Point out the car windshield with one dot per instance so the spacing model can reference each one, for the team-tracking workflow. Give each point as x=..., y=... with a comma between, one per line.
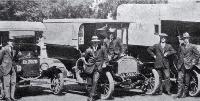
x=26, y=45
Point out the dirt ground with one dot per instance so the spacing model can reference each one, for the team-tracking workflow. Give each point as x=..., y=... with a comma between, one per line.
x=74, y=92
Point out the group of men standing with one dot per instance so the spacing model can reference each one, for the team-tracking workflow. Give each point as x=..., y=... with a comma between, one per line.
x=7, y=71
x=188, y=56
x=110, y=48
x=105, y=47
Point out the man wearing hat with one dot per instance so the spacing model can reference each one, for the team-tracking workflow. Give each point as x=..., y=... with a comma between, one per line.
x=115, y=47
x=160, y=52
x=188, y=57
x=95, y=59
x=9, y=74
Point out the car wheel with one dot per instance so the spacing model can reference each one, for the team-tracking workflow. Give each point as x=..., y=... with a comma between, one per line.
x=57, y=83
x=2, y=95
x=194, y=84
x=152, y=83
x=106, y=86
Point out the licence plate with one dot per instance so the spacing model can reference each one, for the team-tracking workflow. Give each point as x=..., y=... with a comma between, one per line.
x=28, y=62
x=128, y=74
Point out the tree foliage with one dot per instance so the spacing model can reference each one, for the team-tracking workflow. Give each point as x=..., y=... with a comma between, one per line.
x=37, y=10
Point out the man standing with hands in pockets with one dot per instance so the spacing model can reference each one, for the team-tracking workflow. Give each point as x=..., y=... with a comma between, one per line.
x=160, y=52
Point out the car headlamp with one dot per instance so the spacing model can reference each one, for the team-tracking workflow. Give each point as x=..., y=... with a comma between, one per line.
x=44, y=66
x=19, y=68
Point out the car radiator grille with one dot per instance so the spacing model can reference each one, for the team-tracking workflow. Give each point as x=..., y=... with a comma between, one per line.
x=30, y=69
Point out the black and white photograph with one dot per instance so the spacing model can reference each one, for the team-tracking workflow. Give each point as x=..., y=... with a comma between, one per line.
x=99, y=50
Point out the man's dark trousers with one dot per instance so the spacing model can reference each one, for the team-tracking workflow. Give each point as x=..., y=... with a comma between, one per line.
x=164, y=78
x=184, y=76
x=95, y=78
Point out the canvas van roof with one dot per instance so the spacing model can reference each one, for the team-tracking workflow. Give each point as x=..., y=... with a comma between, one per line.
x=66, y=30
x=85, y=20
x=21, y=26
x=186, y=11
x=182, y=11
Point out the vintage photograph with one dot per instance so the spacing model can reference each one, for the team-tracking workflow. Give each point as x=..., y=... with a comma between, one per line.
x=99, y=50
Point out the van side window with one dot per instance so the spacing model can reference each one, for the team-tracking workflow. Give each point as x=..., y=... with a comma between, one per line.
x=156, y=28
x=4, y=36
x=81, y=35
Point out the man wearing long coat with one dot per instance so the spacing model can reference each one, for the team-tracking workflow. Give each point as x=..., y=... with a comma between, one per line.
x=160, y=52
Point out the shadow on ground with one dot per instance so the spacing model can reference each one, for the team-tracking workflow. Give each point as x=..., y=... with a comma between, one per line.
x=32, y=91
x=81, y=90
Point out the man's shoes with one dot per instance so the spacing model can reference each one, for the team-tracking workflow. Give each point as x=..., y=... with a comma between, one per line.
x=13, y=99
x=90, y=99
x=183, y=95
x=168, y=93
x=2, y=98
x=180, y=96
x=158, y=93
x=8, y=99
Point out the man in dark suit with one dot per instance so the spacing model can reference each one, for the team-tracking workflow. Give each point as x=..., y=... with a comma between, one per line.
x=96, y=57
x=161, y=52
x=188, y=57
x=9, y=74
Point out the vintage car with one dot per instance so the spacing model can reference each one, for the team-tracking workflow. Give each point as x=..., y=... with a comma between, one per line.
x=31, y=59
x=162, y=18
x=131, y=72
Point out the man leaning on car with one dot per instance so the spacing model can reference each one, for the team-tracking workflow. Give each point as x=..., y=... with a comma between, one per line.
x=160, y=52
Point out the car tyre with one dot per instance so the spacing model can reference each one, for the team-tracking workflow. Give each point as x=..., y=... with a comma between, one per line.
x=57, y=83
x=152, y=83
x=107, y=87
x=194, y=88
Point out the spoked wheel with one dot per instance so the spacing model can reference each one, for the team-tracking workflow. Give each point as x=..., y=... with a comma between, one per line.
x=194, y=84
x=106, y=87
x=57, y=83
x=152, y=83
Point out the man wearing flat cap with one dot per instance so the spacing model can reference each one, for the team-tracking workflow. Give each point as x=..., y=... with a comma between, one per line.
x=188, y=57
x=160, y=52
